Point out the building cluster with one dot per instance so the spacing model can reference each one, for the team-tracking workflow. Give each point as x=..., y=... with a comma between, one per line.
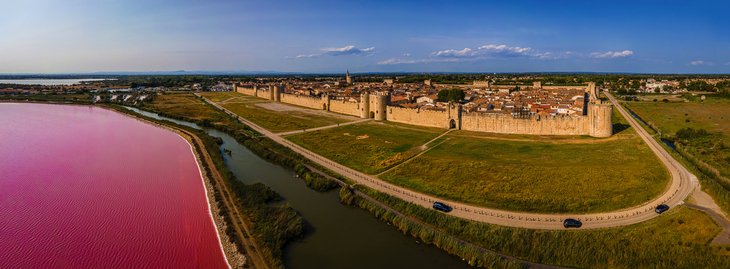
x=480, y=97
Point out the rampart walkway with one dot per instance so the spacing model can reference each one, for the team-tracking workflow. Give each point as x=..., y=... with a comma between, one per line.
x=682, y=185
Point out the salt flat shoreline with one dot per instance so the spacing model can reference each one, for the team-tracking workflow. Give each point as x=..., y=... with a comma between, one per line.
x=234, y=258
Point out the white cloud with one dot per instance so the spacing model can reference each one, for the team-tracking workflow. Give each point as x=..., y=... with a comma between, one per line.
x=466, y=52
x=348, y=50
x=445, y=60
x=701, y=63
x=504, y=51
x=728, y=63
x=406, y=54
x=611, y=54
x=396, y=61
x=489, y=51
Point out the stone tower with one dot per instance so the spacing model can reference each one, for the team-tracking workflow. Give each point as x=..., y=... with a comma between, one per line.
x=379, y=104
x=601, y=119
x=348, y=78
x=593, y=91
x=364, y=105
x=275, y=93
x=454, y=117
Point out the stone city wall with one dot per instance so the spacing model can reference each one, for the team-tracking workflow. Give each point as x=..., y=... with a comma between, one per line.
x=420, y=117
x=344, y=107
x=305, y=101
x=535, y=125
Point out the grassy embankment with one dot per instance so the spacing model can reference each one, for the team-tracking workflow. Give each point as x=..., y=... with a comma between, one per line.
x=273, y=226
x=370, y=147
x=538, y=174
x=677, y=239
x=73, y=97
x=702, y=135
x=282, y=121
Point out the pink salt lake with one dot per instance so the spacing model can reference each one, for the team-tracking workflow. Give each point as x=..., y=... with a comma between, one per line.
x=84, y=187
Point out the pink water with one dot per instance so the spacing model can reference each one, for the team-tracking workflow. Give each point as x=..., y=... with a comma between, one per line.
x=83, y=187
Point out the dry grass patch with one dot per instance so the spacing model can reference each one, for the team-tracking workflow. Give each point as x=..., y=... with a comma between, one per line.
x=281, y=121
x=371, y=147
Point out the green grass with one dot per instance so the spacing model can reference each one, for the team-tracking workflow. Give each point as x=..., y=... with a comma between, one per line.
x=537, y=176
x=677, y=239
x=176, y=98
x=713, y=115
x=370, y=147
x=222, y=96
x=48, y=97
x=282, y=121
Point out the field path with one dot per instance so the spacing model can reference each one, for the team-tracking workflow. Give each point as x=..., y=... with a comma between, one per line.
x=323, y=127
x=681, y=186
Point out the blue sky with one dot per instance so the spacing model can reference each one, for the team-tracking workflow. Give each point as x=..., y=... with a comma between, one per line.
x=374, y=36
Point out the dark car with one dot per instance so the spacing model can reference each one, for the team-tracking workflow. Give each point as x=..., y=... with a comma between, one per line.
x=661, y=208
x=442, y=207
x=572, y=223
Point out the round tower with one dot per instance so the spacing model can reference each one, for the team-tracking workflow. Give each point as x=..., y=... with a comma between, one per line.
x=601, y=116
x=364, y=105
x=277, y=93
x=379, y=104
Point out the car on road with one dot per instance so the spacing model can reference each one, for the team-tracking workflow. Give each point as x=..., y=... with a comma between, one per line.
x=661, y=208
x=442, y=207
x=572, y=223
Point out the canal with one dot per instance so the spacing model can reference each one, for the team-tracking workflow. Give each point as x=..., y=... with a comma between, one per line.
x=337, y=235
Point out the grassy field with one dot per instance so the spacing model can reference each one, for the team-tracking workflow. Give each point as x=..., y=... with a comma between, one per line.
x=282, y=121
x=186, y=105
x=537, y=176
x=677, y=239
x=370, y=147
x=568, y=174
x=176, y=98
x=222, y=96
x=712, y=115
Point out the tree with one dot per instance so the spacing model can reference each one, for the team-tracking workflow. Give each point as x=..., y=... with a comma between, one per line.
x=632, y=92
x=454, y=95
x=657, y=90
x=622, y=91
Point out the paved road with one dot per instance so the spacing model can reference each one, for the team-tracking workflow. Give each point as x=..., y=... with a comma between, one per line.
x=682, y=185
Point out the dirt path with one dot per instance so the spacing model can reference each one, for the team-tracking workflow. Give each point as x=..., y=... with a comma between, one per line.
x=323, y=127
x=424, y=148
x=239, y=221
x=702, y=201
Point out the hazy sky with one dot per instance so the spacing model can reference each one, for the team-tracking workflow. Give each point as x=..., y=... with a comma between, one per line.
x=39, y=36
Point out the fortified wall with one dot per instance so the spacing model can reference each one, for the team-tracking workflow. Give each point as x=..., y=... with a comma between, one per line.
x=597, y=123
